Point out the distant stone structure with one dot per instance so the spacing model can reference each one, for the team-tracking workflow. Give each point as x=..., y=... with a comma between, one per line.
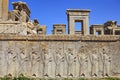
x=26, y=49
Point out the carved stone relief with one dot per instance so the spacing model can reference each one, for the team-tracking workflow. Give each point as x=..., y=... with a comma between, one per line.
x=57, y=59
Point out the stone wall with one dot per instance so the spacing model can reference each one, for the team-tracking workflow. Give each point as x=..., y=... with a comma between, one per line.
x=57, y=56
x=12, y=27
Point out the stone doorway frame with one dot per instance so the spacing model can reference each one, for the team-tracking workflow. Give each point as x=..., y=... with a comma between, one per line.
x=78, y=15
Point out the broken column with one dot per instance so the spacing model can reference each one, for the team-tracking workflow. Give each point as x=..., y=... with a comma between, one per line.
x=4, y=10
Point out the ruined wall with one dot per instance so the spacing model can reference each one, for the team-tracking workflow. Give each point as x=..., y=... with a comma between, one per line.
x=47, y=56
x=13, y=27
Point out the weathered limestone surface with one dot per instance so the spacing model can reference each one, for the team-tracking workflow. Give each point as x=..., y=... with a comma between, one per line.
x=25, y=49
x=0, y=9
x=59, y=29
x=78, y=16
x=53, y=58
x=4, y=10
x=10, y=27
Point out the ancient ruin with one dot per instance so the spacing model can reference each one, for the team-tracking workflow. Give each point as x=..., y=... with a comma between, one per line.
x=26, y=49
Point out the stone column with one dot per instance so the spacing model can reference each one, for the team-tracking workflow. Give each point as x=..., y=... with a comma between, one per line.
x=94, y=31
x=71, y=26
x=0, y=9
x=102, y=32
x=4, y=9
x=113, y=32
x=85, y=26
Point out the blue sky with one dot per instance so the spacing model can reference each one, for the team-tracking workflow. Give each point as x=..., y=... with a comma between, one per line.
x=50, y=12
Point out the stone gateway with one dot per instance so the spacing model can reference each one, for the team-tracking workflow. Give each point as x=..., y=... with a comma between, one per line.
x=26, y=49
